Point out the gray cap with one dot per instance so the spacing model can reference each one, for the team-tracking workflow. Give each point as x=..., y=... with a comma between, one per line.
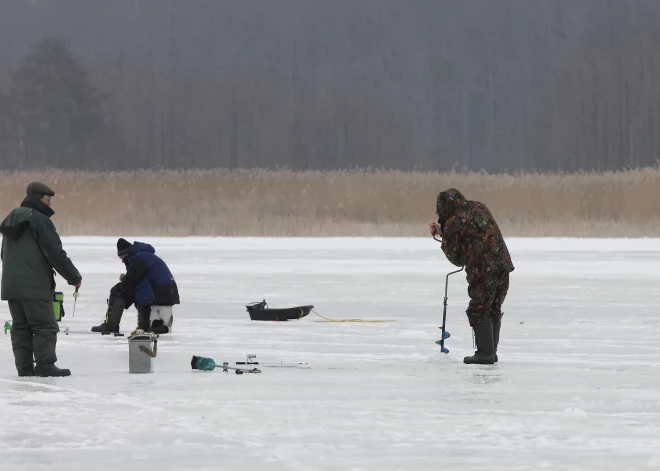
x=38, y=188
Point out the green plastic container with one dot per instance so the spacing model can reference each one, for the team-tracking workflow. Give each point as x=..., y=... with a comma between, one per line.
x=58, y=305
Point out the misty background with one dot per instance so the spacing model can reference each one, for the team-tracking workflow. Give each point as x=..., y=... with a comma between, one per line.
x=498, y=85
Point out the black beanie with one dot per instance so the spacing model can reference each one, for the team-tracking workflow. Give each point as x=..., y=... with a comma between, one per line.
x=122, y=246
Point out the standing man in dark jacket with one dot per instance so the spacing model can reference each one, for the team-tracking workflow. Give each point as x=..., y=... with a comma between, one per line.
x=147, y=283
x=471, y=238
x=31, y=253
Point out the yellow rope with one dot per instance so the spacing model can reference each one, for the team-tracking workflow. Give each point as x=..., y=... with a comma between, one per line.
x=347, y=320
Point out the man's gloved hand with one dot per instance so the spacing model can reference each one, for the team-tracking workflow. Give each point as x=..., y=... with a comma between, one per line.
x=122, y=276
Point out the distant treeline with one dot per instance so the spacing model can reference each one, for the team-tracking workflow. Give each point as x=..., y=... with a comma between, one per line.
x=498, y=85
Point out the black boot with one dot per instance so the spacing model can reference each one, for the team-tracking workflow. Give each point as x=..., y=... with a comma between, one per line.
x=144, y=318
x=50, y=370
x=21, y=340
x=496, y=336
x=25, y=371
x=112, y=316
x=158, y=327
x=483, y=335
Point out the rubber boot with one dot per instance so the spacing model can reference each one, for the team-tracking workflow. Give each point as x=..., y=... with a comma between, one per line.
x=158, y=327
x=25, y=371
x=496, y=337
x=112, y=316
x=144, y=318
x=21, y=340
x=483, y=335
x=50, y=370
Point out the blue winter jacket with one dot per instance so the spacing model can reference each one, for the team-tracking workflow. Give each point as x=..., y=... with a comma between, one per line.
x=149, y=275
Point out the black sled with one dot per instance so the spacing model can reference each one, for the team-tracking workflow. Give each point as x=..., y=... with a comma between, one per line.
x=261, y=312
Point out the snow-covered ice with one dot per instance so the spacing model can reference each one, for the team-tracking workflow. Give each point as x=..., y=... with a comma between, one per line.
x=577, y=386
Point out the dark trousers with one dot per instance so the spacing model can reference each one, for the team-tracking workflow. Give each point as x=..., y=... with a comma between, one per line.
x=486, y=297
x=33, y=333
x=125, y=294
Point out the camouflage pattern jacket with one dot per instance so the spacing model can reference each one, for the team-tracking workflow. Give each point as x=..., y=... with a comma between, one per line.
x=470, y=236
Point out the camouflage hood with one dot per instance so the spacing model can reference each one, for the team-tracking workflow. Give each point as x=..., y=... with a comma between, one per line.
x=447, y=203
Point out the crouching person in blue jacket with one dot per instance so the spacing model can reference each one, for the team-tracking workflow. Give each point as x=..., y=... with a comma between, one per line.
x=147, y=283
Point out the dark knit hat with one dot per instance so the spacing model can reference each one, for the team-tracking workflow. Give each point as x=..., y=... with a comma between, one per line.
x=38, y=189
x=123, y=246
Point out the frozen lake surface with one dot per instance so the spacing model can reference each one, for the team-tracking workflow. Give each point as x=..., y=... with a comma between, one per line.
x=577, y=386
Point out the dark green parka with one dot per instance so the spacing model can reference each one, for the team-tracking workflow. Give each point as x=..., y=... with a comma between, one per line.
x=31, y=251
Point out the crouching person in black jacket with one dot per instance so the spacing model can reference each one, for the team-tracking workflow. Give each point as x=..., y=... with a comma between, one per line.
x=147, y=283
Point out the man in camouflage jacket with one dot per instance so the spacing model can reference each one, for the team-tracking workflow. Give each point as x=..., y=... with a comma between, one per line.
x=471, y=238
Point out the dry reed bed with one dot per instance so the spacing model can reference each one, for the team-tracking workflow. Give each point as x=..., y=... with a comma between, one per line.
x=386, y=203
